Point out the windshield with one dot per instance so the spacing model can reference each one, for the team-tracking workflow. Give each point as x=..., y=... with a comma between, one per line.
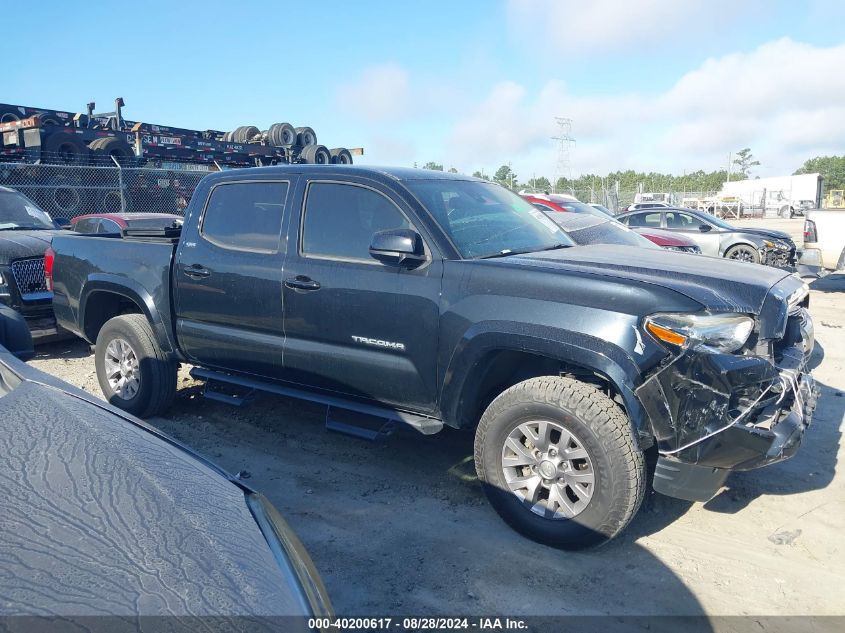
x=610, y=232
x=580, y=207
x=603, y=209
x=484, y=219
x=19, y=212
x=714, y=220
x=584, y=229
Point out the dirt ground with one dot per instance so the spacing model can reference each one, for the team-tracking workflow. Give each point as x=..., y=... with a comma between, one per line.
x=401, y=527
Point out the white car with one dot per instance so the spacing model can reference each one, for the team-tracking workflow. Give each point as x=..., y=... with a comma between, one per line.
x=647, y=204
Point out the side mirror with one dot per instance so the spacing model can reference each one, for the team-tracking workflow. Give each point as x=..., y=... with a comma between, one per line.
x=398, y=247
x=61, y=223
x=704, y=228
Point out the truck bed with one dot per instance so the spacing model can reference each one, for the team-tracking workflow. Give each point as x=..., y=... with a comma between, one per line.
x=135, y=264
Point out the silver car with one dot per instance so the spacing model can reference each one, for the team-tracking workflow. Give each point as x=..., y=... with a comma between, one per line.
x=717, y=237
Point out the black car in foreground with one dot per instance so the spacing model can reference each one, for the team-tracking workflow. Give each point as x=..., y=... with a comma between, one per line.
x=102, y=515
x=717, y=237
x=434, y=299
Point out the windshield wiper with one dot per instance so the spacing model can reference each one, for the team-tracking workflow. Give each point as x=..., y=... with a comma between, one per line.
x=25, y=228
x=507, y=252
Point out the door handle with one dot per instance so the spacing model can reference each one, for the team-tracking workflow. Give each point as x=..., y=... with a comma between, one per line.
x=301, y=282
x=196, y=271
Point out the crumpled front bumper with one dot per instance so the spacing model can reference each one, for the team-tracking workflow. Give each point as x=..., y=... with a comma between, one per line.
x=713, y=413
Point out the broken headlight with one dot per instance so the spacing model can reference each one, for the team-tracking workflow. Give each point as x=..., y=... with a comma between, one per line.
x=722, y=332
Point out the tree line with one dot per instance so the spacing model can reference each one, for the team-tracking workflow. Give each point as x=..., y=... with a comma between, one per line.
x=832, y=168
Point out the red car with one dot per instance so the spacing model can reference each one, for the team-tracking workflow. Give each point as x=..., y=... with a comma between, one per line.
x=668, y=240
x=566, y=204
x=116, y=222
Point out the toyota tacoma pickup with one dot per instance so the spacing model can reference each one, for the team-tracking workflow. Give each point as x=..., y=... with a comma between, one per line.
x=434, y=299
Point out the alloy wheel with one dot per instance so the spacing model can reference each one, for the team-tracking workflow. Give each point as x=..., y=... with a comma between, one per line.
x=547, y=467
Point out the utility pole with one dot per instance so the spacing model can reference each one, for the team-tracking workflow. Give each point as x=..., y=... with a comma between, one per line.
x=729, y=166
x=565, y=142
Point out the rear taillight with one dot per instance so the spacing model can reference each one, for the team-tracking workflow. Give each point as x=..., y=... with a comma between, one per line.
x=810, y=231
x=49, y=258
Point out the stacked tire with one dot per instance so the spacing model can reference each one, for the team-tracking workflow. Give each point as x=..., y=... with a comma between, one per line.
x=110, y=147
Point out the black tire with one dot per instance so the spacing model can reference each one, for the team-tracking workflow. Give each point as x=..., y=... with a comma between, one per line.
x=305, y=136
x=282, y=135
x=65, y=197
x=50, y=119
x=743, y=253
x=341, y=156
x=316, y=155
x=244, y=133
x=65, y=149
x=10, y=114
x=599, y=427
x=110, y=146
x=157, y=374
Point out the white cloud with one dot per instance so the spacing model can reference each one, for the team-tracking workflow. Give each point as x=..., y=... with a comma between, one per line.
x=379, y=93
x=781, y=99
x=575, y=26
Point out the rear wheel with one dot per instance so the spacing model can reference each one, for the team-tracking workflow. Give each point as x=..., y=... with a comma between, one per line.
x=132, y=370
x=305, y=136
x=316, y=155
x=245, y=133
x=341, y=156
x=558, y=461
x=65, y=149
x=111, y=147
x=281, y=134
x=743, y=253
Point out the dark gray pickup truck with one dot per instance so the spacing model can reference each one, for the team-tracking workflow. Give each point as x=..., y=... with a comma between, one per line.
x=434, y=299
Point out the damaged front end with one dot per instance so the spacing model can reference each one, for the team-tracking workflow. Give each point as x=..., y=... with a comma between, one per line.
x=714, y=410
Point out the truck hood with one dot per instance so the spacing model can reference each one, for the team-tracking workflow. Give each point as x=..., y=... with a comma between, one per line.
x=718, y=284
x=18, y=244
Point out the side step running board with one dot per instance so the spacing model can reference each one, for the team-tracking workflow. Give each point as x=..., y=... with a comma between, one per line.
x=425, y=425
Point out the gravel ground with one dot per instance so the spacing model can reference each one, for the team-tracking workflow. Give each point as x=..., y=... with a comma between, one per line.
x=402, y=527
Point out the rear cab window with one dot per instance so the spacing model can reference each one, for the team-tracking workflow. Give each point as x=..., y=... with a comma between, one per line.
x=245, y=215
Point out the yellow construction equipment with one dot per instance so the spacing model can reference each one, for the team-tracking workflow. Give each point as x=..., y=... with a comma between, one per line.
x=835, y=199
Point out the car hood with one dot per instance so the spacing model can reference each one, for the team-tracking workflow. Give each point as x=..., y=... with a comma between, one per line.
x=103, y=516
x=18, y=244
x=718, y=284
x=664, y=238
x=767, y=233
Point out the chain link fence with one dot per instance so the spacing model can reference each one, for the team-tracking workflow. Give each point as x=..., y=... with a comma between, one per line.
x=67, y=191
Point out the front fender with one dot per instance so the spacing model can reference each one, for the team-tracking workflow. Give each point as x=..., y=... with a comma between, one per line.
x=134, y=292
x=583, y=351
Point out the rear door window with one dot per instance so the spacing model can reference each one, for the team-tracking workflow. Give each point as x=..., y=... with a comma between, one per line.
x=651, y=219
x=245, y=216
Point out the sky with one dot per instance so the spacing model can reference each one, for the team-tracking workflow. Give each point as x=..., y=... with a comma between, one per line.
x=652, y=85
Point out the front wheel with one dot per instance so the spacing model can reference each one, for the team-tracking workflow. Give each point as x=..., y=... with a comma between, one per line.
x=558, y=462
x=132, y=370
x=743, y=253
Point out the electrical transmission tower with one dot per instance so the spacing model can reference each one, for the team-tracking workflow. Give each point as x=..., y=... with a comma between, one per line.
x=565, y=142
